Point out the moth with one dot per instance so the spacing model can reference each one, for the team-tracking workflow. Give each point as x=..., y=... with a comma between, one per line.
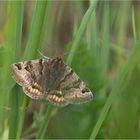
x=52, y=80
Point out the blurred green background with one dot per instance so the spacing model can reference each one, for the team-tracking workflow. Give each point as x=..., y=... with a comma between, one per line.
x=100, y=41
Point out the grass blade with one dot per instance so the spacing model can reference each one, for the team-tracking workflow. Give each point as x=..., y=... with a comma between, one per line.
x=35, y=30
x=21, y=117
x=12, y=44
x=120, y=79
x=19, y=7
x=80, y=31
x=45, y=25
x=134, y=24
x=44, y=123
x=121, y=24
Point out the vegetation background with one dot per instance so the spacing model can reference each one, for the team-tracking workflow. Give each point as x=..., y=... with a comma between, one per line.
x=99, y=40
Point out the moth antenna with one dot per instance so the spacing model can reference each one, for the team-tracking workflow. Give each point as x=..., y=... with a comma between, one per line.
x=42, y=54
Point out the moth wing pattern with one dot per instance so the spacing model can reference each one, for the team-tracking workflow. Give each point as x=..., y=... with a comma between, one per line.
x=67, y=88
x=28, y=74
x=74, y=88
x=51, y=79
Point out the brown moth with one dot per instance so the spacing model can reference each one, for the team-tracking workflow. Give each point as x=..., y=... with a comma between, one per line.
x=51, y=79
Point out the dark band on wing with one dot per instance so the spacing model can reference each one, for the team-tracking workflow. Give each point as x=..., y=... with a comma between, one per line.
x=85, y=90
x=75, y=84
x=29, y=68
x=41, y=66
x=67, y=75
x=18, y=65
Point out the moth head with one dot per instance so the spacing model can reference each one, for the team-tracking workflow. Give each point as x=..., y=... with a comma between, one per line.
x=20, y=74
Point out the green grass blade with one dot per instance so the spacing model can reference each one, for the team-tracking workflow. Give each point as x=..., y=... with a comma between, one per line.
x=92, y=35
x=12, y=42
x=45, y=27
x=19, y=8
x=15, y=109
x=134, y=24
x=20, y=12
x=44, y=124
x=80, y=31
x=21, y=117
x=104, y=56
x=105, y=37
x=121, y=24
x=120, y=79
x=35, y=30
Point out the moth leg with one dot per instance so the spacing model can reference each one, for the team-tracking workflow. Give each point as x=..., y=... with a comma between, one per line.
x=56, y=98
x=34, y=91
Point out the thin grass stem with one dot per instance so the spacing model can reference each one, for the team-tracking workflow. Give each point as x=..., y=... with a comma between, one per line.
x=134, y=24
x=81, y=30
